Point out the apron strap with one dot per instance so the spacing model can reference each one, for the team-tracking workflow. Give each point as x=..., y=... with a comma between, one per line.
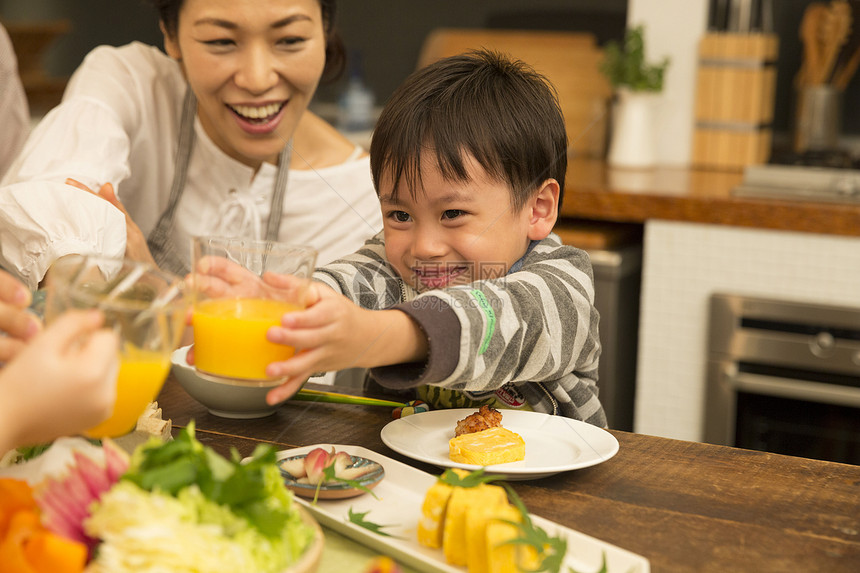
x=159, y=241
x=277, y=209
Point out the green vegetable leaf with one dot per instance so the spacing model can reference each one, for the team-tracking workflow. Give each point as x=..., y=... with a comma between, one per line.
x=358, y=519
x=253, y=490
x=26, y=453
x=550, y=550
x=473, y=479
x=603, y=568
x=30, y=452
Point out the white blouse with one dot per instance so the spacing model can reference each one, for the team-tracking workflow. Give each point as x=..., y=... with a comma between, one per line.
x=119, y=123
x=14, y=113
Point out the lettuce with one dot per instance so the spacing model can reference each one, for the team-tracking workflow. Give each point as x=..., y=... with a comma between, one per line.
x=182, y=507
x=155, y=532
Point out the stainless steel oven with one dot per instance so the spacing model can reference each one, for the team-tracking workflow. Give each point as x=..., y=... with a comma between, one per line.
x=784, y=377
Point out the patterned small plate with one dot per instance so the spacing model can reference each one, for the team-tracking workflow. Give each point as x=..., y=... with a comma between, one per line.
x=334, y=489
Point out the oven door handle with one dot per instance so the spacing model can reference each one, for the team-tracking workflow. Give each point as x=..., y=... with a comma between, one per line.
x=796, y=389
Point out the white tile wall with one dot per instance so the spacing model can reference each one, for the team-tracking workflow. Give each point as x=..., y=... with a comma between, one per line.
x=684, y=263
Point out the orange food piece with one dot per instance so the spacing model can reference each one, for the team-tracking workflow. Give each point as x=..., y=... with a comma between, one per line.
x=26, y=546
x=15, y=495
x=47, y=551
x=12, y=555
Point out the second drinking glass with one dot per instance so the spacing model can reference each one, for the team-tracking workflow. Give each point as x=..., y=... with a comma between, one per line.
x=234, y=305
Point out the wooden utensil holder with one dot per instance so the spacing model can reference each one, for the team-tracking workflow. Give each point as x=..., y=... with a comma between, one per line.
x=735, y=90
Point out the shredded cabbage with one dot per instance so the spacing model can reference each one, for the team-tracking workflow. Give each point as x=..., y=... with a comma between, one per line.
x=153, y=532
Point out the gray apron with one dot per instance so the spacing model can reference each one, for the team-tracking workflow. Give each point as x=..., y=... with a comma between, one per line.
x=160, y=243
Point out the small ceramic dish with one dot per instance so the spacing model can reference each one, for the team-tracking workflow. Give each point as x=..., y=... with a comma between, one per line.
x=333, y=489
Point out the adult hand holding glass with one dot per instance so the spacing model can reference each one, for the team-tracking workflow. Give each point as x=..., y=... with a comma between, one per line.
x=62, y=382
x=144, y=306
x=17, y=325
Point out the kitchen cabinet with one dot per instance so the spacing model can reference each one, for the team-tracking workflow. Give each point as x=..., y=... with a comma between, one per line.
x=595, y=192
x=699, y=239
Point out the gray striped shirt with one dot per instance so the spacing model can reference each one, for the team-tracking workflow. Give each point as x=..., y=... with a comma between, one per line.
x=532, y=331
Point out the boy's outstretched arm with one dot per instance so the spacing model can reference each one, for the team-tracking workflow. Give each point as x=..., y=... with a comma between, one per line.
x=334, y=333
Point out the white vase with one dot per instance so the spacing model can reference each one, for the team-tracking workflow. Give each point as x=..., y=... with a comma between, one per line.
x=633, y=131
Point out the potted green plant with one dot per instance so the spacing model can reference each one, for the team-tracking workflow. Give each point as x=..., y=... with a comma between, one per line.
x=636, y=83
x=626, y=68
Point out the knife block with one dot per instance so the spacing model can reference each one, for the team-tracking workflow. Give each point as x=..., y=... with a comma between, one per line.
x=735, y=89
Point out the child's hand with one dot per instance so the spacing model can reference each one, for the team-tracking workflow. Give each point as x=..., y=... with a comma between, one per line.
x=62, y=383
x=333, y=333
x=17, y=325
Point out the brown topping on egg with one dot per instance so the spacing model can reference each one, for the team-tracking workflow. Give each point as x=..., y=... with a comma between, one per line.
x=486, y=417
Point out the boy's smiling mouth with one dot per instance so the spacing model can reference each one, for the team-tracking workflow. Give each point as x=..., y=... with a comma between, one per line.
x=438, y=276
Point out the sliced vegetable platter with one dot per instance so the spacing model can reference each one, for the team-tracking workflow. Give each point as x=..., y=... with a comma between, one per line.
x=387, y=519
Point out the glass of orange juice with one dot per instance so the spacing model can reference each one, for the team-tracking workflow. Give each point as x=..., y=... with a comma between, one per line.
x=234, y=304
x=144, y=305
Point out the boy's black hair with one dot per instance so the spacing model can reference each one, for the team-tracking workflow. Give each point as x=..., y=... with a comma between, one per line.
x=482, y=103
x=335, y=51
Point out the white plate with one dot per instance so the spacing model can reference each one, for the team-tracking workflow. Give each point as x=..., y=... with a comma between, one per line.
x=398, y=506
x=553, y=443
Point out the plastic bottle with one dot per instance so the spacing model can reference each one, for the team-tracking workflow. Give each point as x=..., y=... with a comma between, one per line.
x=356, y=104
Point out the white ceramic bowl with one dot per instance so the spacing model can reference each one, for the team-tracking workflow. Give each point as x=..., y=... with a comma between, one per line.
x=226, y=399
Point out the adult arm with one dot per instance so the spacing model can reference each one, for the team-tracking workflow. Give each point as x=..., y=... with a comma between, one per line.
x=86, y=138
x=14, y=113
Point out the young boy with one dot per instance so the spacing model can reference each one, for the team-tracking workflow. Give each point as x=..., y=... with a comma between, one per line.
x=465, y=290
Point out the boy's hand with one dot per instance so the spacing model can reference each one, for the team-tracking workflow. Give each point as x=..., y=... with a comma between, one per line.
x=333, y=333
x=17, y=325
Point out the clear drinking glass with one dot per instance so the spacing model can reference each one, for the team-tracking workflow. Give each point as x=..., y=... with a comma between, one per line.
x=146, y=306
x=234, y=306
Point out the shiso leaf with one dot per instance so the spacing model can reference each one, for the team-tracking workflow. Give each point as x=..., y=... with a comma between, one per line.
x=358, y=519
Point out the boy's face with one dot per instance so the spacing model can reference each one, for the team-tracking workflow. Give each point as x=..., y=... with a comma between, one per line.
x=455, y=232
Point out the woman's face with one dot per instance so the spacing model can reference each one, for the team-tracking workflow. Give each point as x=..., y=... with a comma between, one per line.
x=254, y=66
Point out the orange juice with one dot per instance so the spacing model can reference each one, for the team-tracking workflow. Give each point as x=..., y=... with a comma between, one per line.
x=141, y=375
x=230, y=336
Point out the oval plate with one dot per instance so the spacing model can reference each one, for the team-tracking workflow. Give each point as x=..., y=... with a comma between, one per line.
x=554, y=444
x=333, y=490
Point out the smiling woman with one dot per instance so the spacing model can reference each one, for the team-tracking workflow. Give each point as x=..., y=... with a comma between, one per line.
x=254, y=75
x=212, y=138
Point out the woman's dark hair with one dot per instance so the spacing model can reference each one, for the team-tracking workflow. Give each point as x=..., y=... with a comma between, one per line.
x=484, y=104
x=335, y=52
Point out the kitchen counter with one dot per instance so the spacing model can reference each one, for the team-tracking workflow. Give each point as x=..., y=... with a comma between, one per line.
x=597, y=193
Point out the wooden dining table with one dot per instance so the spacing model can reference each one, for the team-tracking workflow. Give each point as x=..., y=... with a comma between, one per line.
x=685, y=506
